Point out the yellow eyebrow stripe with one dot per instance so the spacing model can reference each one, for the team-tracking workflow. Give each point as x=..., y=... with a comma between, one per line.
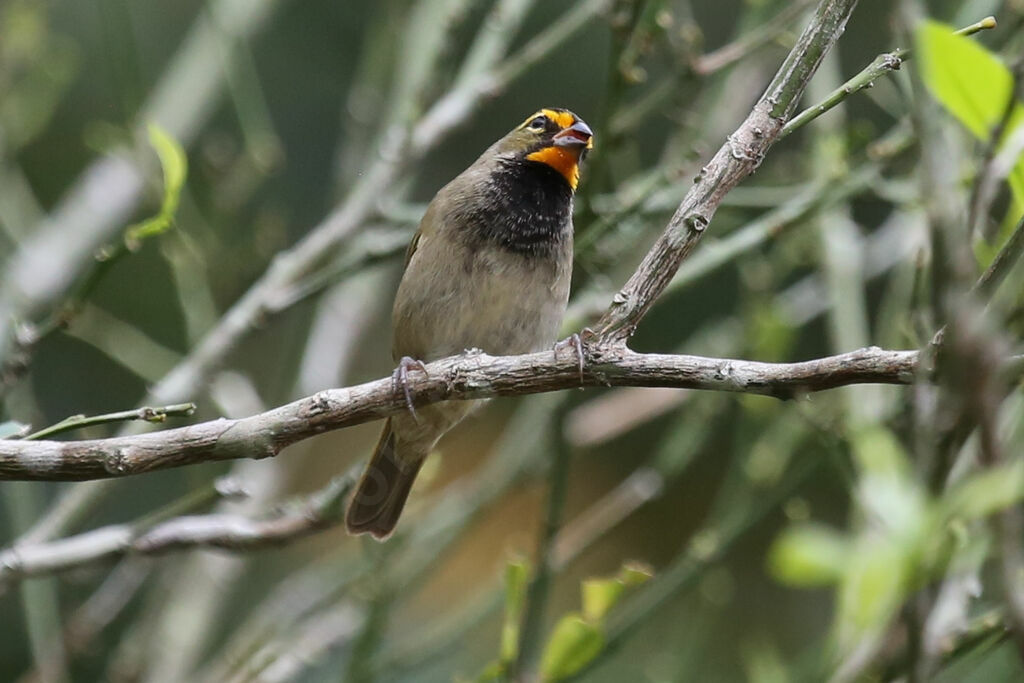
x=563, y=118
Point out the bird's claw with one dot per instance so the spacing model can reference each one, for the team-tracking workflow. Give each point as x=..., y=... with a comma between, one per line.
x=400, y=379
x=576, y=342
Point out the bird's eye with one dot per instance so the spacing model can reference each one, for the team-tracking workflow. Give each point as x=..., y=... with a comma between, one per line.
x=538, y=123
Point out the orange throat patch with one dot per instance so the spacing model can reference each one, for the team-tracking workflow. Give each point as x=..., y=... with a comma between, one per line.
x=562, y=160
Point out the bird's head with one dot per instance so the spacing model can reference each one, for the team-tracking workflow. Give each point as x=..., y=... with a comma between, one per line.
x=555, y=137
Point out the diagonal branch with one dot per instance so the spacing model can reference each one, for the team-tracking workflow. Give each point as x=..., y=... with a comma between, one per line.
x=740, y=156
x=469, y=376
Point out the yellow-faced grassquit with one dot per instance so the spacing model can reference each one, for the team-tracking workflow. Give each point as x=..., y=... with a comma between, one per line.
x=488, y=269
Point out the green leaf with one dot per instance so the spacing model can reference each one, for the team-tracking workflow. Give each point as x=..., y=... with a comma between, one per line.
x=174, y=165
x=965, y=78
x=600, y=595
x=879, y=453
x=573, y=644
x=492, y=673
x=872, y=588
x=886, y=492
x=635, y=574
x=764, y=663
x=11, y=428
x=987, y=492
x=516, y=577
x=808, y=555
x=975, y=87
x=1016, y=180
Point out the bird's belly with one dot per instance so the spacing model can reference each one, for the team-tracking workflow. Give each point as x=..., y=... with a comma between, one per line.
x=503, y=306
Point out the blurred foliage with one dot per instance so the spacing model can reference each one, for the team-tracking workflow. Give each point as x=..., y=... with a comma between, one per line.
x=856, y=534
x=577, y=637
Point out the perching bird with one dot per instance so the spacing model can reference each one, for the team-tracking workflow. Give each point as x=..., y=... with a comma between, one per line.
x=488, y=269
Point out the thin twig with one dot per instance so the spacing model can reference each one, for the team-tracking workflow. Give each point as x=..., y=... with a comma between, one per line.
x=145, y=413
x=750, y=41
x=1002, y=264
x=883, y=64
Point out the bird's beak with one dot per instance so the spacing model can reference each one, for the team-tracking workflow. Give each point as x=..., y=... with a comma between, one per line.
x=578, y=136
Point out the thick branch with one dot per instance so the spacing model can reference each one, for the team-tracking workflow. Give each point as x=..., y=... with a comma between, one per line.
x=474, y=375
x=738, y=158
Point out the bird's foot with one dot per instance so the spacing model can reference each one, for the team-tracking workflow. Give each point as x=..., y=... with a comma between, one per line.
x=400, y=379
x=575, y=341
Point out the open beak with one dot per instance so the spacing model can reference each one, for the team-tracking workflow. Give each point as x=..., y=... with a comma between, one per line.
x=577, y=136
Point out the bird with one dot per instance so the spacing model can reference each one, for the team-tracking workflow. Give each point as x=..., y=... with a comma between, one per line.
x=488, y=269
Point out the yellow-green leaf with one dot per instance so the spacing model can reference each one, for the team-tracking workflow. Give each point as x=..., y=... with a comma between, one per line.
x=635, y=574
x=808, y=555
x=599, y=596
x=174, y=165
x=872, y=588
x=516, y=576
x=975, y=87
x=573, y=644
x=879, y=453
x=988, y=492
x=964, y=77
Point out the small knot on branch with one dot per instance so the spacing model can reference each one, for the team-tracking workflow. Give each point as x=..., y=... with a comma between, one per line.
x=739, y=151
x=892, y=61
x=116, y=461
x=696, y=222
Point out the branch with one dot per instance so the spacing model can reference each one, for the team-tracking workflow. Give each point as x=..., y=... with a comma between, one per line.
x=883, y=64
x=750, y=41
x=320, y=510
x=469, y=376
x=738, y=157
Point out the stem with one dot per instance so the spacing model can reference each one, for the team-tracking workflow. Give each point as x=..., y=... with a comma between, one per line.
x=883, y=65
x=1002, y=264
x=540, y=586
x=144, y=413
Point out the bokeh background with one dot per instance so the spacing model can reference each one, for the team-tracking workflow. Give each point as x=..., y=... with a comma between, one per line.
x=283, y=108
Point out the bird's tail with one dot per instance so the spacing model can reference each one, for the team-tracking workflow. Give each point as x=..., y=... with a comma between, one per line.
x=383, y=489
